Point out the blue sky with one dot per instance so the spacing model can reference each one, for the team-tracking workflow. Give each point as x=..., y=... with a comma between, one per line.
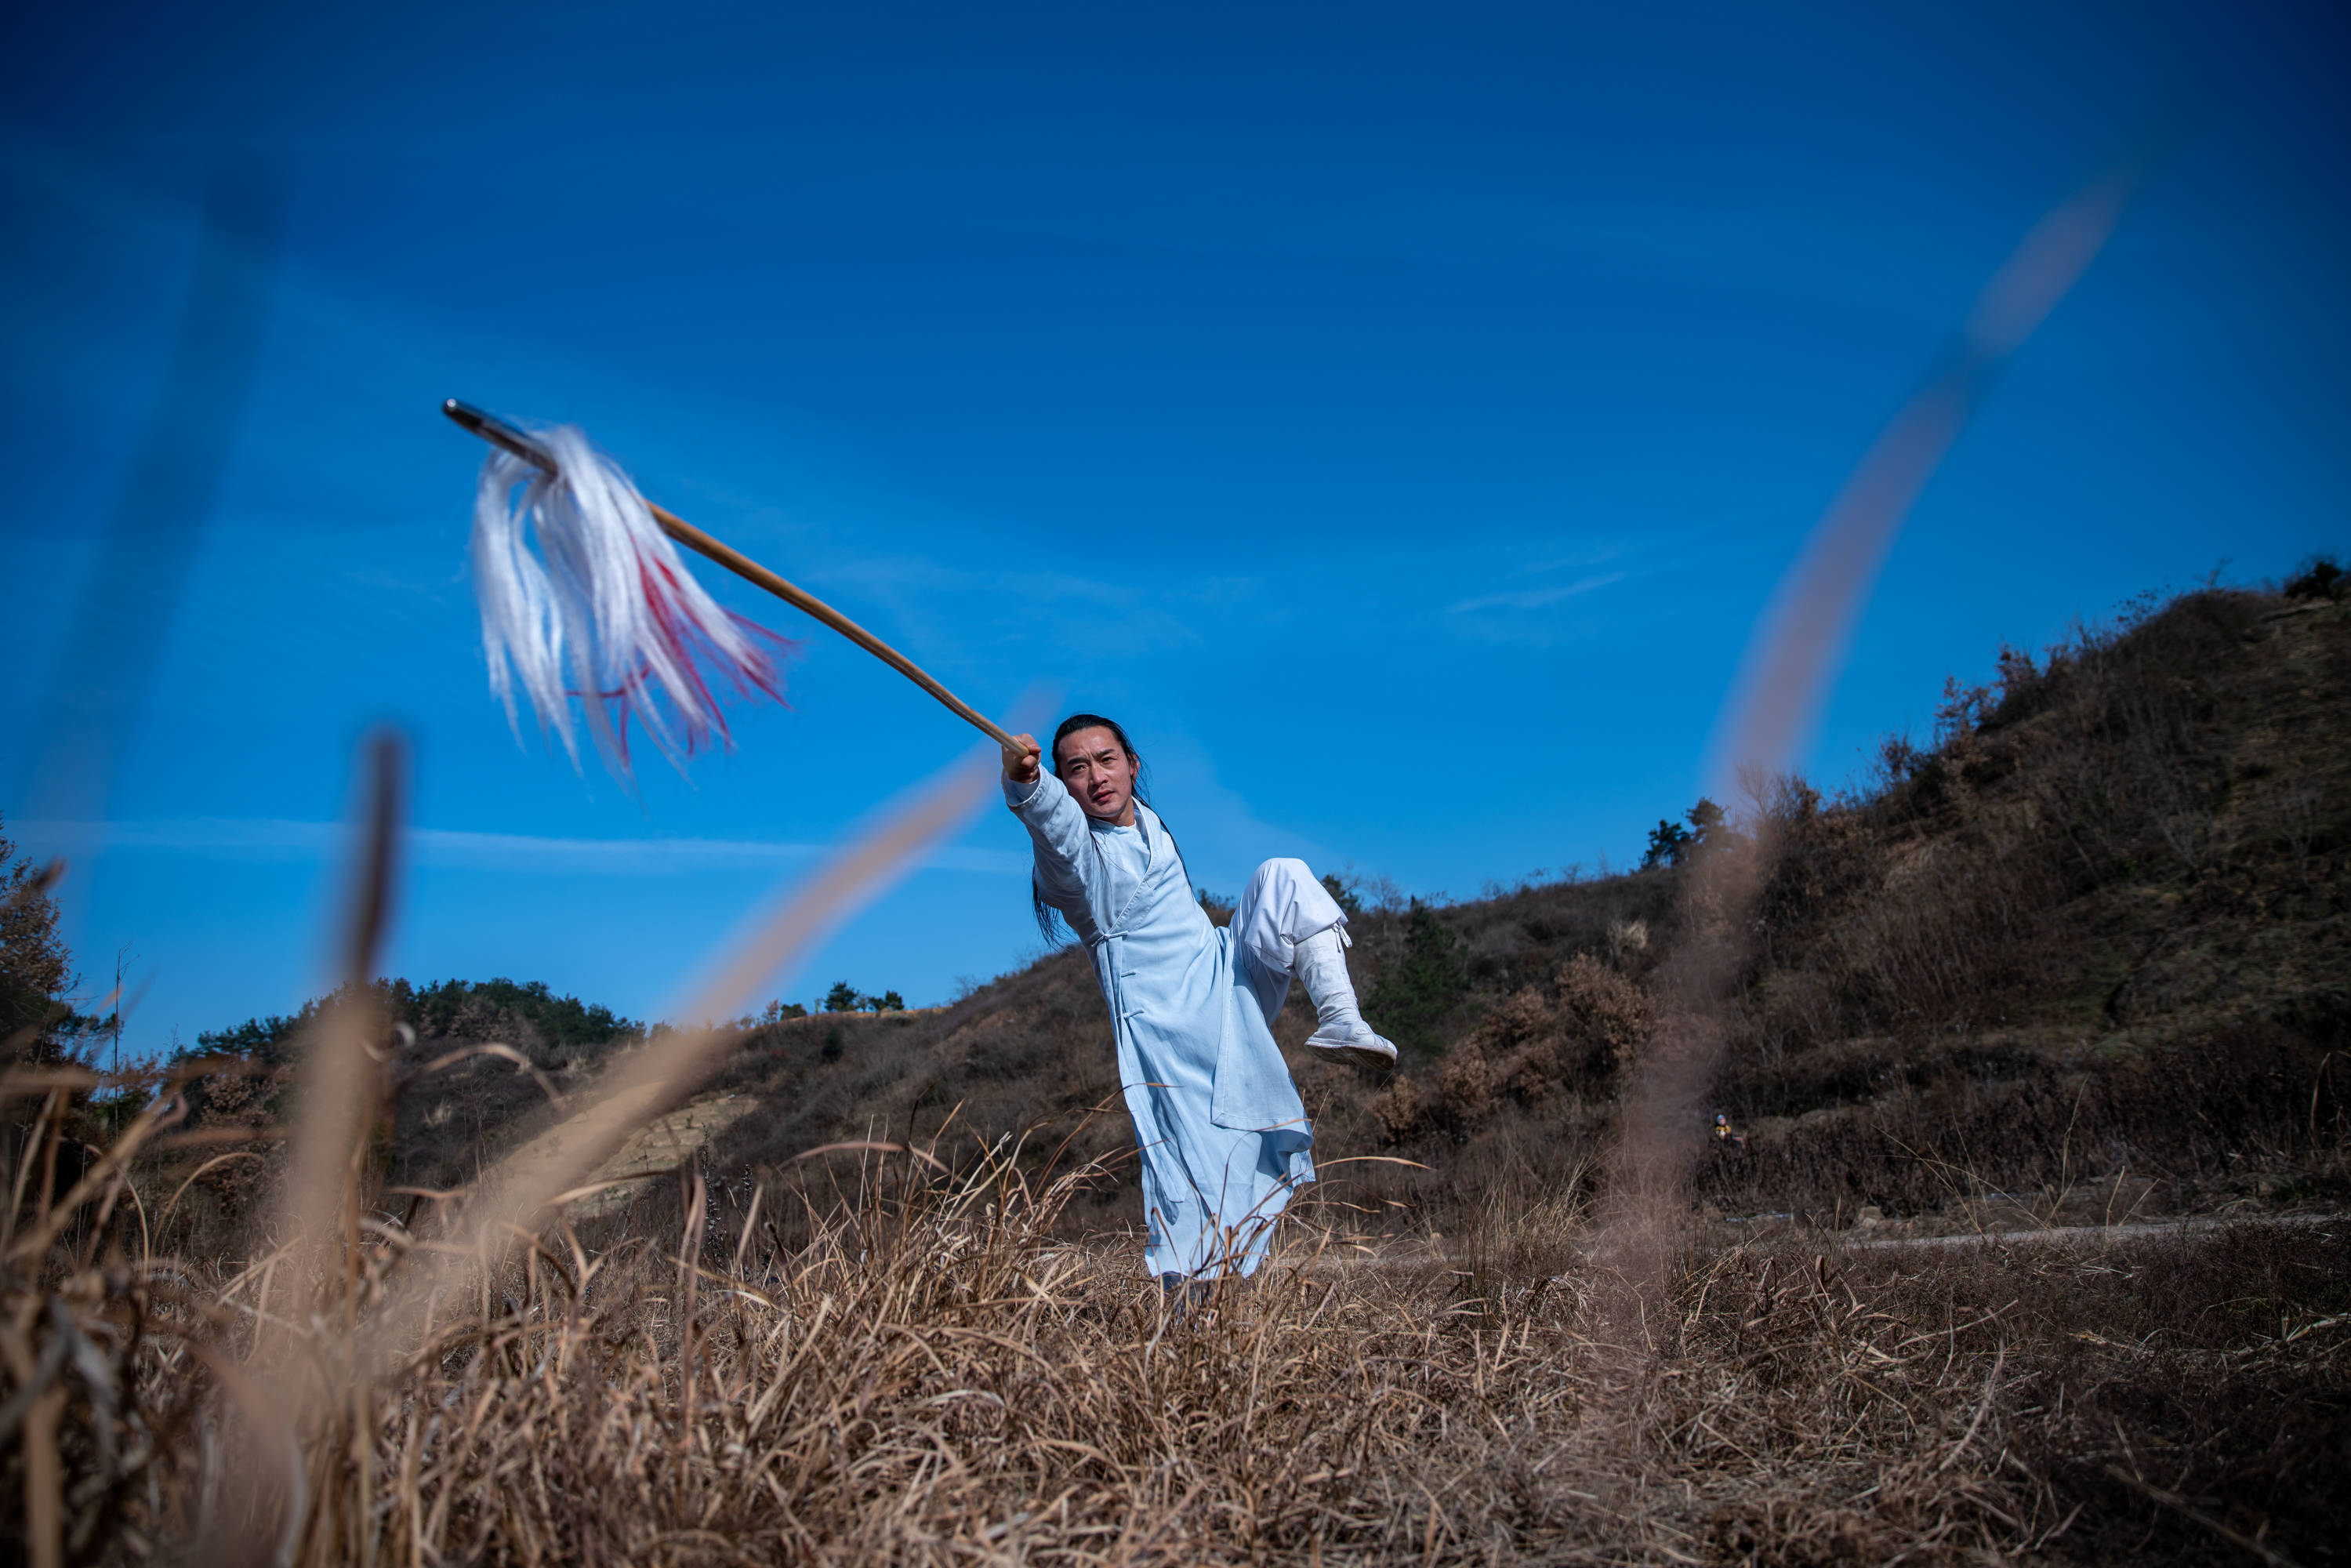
x=1399, y=418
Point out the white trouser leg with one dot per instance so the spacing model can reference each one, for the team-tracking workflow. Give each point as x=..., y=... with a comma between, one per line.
x=1282, y=903
x=1287, y=924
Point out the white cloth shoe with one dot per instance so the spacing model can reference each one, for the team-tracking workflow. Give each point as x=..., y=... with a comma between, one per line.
x=1321, y=966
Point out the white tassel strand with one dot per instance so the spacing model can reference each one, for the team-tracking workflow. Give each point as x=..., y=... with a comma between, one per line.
x=603, y=609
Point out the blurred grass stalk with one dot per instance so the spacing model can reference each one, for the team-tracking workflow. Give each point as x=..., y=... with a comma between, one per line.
x=1785, y=678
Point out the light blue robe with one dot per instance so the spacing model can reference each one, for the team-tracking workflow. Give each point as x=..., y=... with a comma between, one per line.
x=1223, y=1134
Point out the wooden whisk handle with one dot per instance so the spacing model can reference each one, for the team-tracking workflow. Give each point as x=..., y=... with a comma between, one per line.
x=750, y=571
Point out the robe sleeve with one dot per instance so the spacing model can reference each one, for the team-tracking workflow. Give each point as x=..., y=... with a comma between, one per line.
x=1065, y=849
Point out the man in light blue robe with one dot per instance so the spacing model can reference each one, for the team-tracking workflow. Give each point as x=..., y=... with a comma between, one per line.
x=1223, y=1137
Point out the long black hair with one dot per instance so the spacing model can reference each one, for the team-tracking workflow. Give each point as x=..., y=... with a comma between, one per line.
x=1049, y=919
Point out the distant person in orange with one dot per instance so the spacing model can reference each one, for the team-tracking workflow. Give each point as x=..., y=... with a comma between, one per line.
x=1223, y=1133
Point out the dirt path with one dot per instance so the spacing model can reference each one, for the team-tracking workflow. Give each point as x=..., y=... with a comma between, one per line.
x=663, y=1144
x=2031, y=1235
x=1420, y=1254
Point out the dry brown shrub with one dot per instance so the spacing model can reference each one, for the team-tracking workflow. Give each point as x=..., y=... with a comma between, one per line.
x=1402, y=1109
x=1468, y=1084
x=1601, y=1006
x=1567, y=1035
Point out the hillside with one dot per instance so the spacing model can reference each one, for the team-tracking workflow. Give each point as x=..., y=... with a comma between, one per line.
x=2093, y=938
x=2088, y=948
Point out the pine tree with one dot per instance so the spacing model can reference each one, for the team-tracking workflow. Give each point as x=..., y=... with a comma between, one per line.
x=35, y=971
x=1416, y=990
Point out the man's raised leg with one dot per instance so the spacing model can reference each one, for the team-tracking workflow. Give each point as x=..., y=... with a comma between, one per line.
x=1292, y=926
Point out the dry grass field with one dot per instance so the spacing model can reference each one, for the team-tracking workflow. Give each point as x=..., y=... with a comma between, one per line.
x=934, y=1375
x=2028, y=1251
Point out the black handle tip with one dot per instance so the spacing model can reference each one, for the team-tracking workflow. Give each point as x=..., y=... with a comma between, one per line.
x=498, y=432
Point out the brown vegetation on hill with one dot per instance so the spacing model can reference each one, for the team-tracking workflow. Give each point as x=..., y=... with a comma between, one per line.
x=2095, y=933
x=2084, y=952
x=2093, y=937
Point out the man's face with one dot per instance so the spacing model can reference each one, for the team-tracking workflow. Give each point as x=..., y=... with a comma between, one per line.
x=1098, y=773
